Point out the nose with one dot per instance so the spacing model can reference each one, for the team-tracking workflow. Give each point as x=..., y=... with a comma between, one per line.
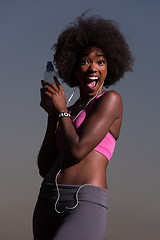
x=92, y=68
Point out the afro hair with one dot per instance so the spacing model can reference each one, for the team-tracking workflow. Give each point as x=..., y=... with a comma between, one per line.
x=92, y=31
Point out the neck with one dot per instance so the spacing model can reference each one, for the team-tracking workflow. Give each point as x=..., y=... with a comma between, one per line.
x=84, y=101
x=84, y=98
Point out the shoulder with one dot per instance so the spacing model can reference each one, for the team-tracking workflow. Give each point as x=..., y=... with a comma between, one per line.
x=112, y=94
x=110, y=103
x=110, y=97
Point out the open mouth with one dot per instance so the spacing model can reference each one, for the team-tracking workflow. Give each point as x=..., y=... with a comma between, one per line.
x=92, y=82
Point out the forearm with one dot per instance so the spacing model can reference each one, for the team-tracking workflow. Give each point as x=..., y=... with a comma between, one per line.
x=47, y=153
x=71, y=139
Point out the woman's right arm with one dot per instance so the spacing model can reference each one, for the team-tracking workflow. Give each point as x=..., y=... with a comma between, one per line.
x=47, y=154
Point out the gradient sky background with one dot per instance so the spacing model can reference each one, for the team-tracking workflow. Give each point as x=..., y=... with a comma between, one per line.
x=28, y=29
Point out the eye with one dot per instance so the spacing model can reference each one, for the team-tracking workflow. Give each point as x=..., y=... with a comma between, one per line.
x=102, y=62
x=84, y=61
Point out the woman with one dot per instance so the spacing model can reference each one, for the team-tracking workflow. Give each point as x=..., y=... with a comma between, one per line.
x=80, y=140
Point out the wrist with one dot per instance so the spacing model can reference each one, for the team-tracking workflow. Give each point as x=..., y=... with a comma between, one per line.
x=64, y=114
x=65, y=109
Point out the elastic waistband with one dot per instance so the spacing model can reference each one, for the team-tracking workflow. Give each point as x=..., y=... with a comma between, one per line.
x=88, y=193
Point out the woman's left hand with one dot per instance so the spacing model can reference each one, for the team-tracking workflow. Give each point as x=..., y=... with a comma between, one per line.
x=56, y=94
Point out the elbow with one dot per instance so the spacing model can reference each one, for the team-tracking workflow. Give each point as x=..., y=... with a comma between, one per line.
x=43, y=167
x=42, y=173
x=77, y=155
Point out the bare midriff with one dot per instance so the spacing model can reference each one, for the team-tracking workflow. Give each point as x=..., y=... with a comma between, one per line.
x=91, y=170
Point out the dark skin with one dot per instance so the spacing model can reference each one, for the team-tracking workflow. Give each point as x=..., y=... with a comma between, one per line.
x=80, y=164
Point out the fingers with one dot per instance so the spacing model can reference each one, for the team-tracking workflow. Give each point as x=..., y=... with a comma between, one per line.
x=42, y=90
x=57, y=83
x=45, y=92
x=56, y=87
x=48, y=94
x=43, y=83
x=51, y=90
x=50, y=87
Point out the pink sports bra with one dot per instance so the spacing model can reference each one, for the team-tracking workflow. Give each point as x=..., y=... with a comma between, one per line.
x=105, y=147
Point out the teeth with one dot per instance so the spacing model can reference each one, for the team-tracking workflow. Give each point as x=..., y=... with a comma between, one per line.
x=93, y=78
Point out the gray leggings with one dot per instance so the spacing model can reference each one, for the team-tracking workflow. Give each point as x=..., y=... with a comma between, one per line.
x=87, y=221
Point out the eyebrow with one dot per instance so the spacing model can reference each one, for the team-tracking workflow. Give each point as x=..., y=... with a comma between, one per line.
x=87, y=54
x=100, y=55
